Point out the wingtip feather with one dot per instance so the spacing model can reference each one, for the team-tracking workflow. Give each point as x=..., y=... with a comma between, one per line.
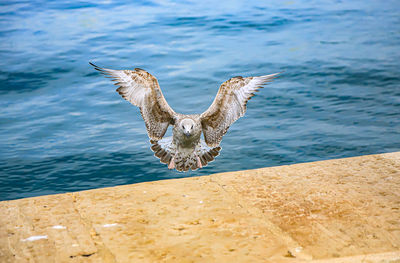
x=270, y=76
x=95, y=66
x=266, y=78
x=107, y=72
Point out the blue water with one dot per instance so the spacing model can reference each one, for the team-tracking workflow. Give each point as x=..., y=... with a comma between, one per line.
x=64, y=128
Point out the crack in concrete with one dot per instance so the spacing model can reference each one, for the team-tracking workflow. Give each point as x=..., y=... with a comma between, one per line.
x=102, y=249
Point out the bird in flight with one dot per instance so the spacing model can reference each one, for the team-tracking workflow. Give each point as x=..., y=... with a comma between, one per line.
x=185, y=149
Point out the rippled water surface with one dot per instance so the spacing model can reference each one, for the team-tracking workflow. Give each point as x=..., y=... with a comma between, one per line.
x=64, y=128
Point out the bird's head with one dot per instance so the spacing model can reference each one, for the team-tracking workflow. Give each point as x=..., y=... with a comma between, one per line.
x=187, y=126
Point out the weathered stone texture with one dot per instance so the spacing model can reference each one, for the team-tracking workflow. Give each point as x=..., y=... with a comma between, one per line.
x=345, y=210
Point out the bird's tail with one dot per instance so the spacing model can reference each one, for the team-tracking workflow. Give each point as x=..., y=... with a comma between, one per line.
x=184, y=160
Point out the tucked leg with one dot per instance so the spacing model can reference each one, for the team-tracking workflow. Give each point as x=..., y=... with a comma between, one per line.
x=171, y=164
x=199, y=162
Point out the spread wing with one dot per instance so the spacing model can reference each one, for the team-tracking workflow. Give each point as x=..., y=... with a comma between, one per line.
x=142, y=90
x=229, y=105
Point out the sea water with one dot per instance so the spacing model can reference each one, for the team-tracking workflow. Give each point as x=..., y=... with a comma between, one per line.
x=64, y=128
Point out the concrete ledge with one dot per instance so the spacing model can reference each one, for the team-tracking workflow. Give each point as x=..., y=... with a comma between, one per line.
x=345, y=210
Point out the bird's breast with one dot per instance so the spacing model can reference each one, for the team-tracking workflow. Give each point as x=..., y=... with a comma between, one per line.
x=187, y=142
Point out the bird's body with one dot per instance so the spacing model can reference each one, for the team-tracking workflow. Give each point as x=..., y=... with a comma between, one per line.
x=185, y=149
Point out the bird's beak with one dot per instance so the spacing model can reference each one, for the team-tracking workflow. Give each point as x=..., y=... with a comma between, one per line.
x=187, y=134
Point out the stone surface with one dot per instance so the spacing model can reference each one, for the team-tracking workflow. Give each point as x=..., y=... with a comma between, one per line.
x=345, y=210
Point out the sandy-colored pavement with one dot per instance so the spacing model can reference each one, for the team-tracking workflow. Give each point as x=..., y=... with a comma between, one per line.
x=345, y=210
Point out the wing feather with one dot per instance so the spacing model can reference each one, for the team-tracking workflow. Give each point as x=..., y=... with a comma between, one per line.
x=229, y=105
x=142, y=90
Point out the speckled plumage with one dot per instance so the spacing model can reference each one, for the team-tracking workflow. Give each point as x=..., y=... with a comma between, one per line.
x=185, y=149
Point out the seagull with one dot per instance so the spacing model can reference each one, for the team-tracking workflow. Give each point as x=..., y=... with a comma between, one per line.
x=185, y=150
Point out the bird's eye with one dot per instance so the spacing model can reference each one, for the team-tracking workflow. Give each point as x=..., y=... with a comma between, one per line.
x=183, y=127
x=192, y=127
